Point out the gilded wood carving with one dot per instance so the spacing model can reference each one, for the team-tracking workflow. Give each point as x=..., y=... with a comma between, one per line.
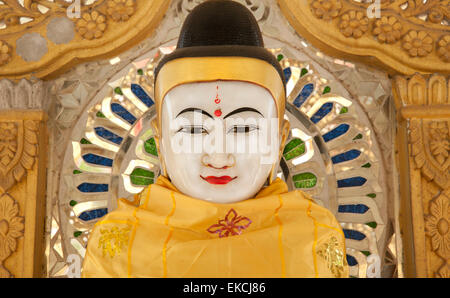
x=429, y=161
x=404, y=36
x=11, y=228
x=22, y=174
x=18, y=148
x=408, y=36
x=437, y=229
x=43, y=37
x=430, y=149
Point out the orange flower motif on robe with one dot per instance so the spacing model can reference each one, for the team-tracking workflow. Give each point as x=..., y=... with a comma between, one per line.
x=230, y=226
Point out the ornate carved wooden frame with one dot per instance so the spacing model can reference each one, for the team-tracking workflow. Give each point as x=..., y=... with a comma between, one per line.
x=410, y=40
x=402, y=36
x=423, y=144
x=101, y=29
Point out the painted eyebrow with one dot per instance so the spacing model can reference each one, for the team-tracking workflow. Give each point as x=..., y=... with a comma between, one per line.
x=241, y=110
x=195, y=110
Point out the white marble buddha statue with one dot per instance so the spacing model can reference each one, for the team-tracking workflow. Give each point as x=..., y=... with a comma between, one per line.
x=218, y=209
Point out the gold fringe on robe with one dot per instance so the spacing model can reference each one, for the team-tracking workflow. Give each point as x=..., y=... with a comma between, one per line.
x=167, y=234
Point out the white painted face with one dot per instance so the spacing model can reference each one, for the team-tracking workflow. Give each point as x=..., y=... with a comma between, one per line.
x=219, y=140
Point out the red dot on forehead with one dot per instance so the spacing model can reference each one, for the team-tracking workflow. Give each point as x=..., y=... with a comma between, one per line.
x=218, y=113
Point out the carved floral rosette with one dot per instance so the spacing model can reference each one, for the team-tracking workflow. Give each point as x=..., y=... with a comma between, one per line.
x=437, y=224
x=11, y=228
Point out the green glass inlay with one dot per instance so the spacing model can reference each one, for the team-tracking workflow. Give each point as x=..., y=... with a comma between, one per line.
x=326, y=90
x=372, y=224
x=100, y=115
x=142, y=177
x=280, y=57
x=294, y=148
x=344, y=110
x=85, y=142
x=367, y=165
x=366, y=253
x=304, y=71
x=358, y=137
x=305, y=180
x=76, y=172
x=372, y=195
x=150, y=147
x=140, y=72
x=296, y=152
x=118, y=90
x=291, y=145
x=73, y=203
x=77, y=233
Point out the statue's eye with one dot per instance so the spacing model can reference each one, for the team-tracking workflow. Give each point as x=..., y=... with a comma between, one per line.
x=193, y=130
x=242, y=128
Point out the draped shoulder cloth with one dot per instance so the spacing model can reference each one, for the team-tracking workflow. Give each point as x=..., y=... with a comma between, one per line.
x=167, y=234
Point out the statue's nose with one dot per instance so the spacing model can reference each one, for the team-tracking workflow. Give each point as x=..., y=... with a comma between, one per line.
x=218, y=161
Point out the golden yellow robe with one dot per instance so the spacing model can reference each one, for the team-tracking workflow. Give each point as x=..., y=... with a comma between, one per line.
x=168, y=234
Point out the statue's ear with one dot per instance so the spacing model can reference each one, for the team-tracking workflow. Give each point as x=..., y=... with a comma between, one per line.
x=157, y=137
x=284, y=135
x=285, y=129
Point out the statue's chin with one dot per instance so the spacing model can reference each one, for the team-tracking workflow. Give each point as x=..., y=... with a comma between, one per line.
x=220, y=194
x=225, y=200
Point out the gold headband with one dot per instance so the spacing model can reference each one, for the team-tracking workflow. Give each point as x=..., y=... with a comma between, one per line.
x=207, y=69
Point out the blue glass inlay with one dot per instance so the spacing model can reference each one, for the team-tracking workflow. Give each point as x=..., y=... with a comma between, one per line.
x=142, y=95
x=98, y=160
x=123, y=113
x=93, y=187
x=352, y=234
x=93, y=214
x=108, y=135
x=346, y=156
x=287, y=74
x=304, y=94
x=351, y=261
x=351, y=182
x=359, y=208
x=337, y=132
x=322, y=112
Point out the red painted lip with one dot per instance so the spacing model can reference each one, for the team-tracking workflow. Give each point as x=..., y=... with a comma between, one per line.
x=218, y=180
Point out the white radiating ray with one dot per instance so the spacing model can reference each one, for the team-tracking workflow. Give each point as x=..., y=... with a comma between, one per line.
x=134, y=99
x=136, y=163
x=323, y=100
x=84, y=166
x=309, y=146
x=87, y=206
x=106, y=110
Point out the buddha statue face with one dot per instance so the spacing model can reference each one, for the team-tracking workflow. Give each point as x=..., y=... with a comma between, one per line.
x=219, y=140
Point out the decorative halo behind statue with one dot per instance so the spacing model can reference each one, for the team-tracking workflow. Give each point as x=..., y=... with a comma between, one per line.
x=331, y=153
